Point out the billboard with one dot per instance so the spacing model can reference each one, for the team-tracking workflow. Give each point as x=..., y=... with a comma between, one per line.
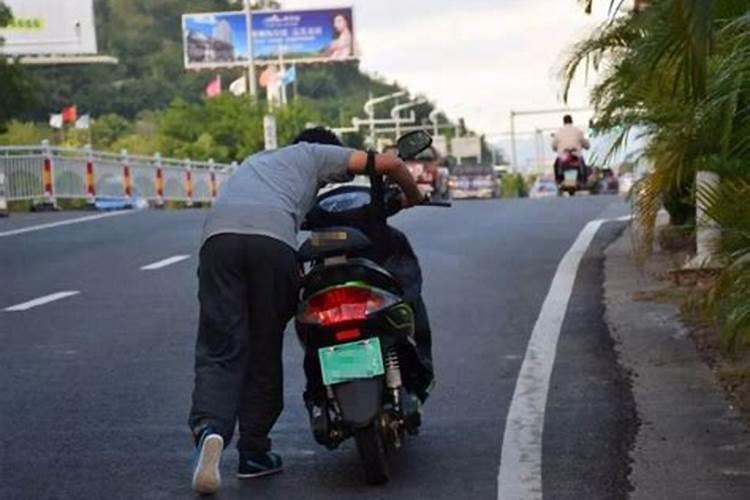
x=220, y=39
x=466, y=147
x=44, y=27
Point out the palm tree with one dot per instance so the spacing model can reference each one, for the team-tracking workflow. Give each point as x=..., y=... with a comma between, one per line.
x=679, y=71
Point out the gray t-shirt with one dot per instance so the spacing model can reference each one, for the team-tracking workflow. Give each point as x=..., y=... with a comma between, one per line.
x=271, y=192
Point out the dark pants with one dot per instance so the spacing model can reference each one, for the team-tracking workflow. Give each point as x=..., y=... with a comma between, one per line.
x=247, y=292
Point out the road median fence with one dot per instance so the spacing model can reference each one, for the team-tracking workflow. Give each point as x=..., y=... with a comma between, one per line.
x=44, y=174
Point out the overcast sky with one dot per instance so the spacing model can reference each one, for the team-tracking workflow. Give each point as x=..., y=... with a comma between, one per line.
x=475, y=58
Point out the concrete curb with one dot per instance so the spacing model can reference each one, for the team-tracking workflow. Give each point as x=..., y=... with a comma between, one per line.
x=691, y=442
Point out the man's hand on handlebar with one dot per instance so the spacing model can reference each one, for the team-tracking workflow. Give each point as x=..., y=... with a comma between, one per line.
x=408, y=202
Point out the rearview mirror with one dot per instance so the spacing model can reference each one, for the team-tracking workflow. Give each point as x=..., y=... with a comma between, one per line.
x=413, y=143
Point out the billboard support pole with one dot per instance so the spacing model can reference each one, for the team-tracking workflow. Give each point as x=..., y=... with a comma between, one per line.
x=513, y=138
x=282, y=71
x=251, y=82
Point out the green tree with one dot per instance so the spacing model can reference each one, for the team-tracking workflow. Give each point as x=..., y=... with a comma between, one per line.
x=16, y=89
x=24, y=133
x=107, y=129
x=227, y=128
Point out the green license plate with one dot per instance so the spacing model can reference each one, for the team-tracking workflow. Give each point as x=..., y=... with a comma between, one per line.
x=571, y=175
x=351, y=361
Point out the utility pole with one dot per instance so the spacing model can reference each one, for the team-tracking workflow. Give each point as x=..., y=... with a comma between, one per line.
x=513, y=115
x=251, y=81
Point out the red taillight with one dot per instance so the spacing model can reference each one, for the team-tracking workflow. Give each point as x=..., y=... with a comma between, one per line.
x=345, y=304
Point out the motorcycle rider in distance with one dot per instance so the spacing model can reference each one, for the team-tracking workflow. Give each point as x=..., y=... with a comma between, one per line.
x=569, y=138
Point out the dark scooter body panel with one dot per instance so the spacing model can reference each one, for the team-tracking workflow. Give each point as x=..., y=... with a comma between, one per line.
x=360, y=401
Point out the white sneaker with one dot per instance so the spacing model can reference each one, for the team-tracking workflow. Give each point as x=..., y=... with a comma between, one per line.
x=206, y=475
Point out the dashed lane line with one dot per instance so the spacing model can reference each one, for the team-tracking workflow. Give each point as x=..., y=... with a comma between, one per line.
x=164, y=262
x=25, y=306
x=67, y=222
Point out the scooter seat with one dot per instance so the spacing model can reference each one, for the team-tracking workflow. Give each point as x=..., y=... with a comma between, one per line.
x=348, y=271
x=332, y=242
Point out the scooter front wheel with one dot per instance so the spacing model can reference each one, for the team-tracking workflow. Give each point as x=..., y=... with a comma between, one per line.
x=372, y=454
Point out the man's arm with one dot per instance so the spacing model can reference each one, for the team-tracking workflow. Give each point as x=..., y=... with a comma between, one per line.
x=555, y=142
x=393, y=167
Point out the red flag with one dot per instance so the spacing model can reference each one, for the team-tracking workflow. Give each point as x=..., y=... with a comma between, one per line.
x=214, y=87
x=70, y=114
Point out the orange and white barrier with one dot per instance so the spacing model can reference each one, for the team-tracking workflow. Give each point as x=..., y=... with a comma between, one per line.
x=212, y=187
x=89, y=178
x=188, y=184
x=159, y=181
x=127, y=180
x=45, y=173
x=48, y=175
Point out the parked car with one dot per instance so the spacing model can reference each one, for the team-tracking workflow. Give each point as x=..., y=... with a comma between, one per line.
x=473, y=181
x=543, y=187
x=604, y=181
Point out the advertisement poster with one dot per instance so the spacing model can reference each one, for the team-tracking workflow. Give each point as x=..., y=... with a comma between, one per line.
x=41, y=27
x=220, y=39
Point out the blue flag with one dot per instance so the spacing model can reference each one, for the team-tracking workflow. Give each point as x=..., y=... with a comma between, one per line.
x=289, y=75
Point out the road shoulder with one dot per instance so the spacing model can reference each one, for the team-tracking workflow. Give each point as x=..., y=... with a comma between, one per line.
x=691, y=442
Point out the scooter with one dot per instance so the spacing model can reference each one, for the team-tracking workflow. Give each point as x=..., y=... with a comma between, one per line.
x=355, y=322
x=571, y=168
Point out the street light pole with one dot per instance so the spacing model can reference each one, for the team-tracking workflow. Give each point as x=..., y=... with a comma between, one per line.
x=532, y=112
x=513, y=137
x=396, y=113
x=370, y=110
x=433, y=116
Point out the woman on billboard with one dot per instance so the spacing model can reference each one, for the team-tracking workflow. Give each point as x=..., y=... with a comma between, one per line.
x=341, y=46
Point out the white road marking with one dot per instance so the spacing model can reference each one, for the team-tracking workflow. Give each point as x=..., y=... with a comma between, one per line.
x=520, y=474
x=41, y=301
x=51, y=225
x=165, y=262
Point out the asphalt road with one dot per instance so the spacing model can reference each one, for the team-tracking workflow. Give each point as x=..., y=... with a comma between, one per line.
x=94, y=387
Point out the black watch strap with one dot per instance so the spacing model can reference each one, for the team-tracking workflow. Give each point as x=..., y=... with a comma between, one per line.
x=370, y=166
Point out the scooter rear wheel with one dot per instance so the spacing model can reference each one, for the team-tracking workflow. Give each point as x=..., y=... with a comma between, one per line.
x=372, y=454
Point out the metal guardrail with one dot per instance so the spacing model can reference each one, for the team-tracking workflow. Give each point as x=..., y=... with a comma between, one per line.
x=47, y=173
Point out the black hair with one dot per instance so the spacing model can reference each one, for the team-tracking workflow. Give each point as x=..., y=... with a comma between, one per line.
x=568, y=120
x=318, y=135
x=346, y=18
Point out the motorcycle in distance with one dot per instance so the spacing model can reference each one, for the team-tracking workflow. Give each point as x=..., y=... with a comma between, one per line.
x=354, y=322
x=571, y=171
